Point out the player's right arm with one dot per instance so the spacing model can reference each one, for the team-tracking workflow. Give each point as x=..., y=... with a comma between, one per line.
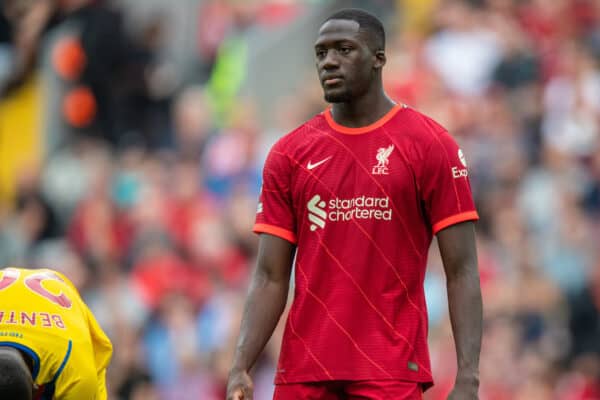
x=266, y=300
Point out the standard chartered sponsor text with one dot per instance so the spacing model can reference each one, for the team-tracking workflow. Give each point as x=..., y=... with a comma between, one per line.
x=343, y=210
x=339, y=210
x=360, y=213
x=361, y=207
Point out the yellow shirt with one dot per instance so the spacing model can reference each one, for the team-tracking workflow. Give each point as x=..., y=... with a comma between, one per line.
x=42, y=314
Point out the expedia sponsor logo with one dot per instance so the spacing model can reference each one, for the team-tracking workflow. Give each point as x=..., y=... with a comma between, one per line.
x=460, y=172
x=321, y=211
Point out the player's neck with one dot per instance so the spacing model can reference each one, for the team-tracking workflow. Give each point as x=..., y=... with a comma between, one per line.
x=19, y=356
x=362, y=111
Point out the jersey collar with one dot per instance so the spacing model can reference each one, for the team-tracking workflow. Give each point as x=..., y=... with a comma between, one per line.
x=362, y=129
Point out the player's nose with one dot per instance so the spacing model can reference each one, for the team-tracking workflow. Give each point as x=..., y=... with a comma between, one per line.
x=330, y=61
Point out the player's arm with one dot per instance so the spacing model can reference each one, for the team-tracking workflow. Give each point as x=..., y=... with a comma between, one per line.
x=459, y=255
x=265, y=303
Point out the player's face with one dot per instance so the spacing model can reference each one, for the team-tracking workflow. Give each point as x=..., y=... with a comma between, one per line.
x=345, y=62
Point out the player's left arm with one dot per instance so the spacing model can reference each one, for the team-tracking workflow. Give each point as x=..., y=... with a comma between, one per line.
x=459, y=256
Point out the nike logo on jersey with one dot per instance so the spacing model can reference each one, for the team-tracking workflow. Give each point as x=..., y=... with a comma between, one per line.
x=315, y=165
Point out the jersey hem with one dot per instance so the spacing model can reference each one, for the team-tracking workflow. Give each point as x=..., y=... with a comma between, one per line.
x=279, y=380
x=275, y=231
x=455, y=219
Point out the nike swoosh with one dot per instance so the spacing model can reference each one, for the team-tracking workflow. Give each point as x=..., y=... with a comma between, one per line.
x=315, y=165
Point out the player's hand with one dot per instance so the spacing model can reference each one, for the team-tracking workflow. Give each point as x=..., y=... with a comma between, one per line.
x=240, y=386
x=464, y=391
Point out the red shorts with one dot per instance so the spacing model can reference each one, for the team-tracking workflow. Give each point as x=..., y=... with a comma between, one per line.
x=349, y=390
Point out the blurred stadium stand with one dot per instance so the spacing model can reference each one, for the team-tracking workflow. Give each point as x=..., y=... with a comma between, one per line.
x=130, y=159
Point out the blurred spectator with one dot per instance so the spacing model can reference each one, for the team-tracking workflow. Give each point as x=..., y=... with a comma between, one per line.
x=138, y=386
x=464, y=51
x=584, y=322
x=193, y=121
x=171, y=345
x=215, y=20
x=572, y=103
x=229, y=160
x=32, y=223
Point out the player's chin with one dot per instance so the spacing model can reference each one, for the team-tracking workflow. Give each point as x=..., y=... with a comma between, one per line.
x=336, y=96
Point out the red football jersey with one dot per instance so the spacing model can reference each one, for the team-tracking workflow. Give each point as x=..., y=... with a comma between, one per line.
x=362, y=205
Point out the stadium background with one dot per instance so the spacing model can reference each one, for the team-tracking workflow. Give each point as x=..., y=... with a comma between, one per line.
x=130, y=160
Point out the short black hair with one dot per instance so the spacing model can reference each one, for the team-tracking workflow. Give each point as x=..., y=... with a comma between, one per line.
x=15, y=379
x=367, y=22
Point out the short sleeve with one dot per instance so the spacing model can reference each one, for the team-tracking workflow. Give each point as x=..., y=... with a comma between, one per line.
x=84, y=375
x=102, y=353
x=274, y=214
x=444, y=184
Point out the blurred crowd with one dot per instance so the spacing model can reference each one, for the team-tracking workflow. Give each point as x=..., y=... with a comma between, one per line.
x=146, y=192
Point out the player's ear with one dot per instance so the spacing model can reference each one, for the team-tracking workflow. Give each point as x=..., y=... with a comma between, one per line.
x=380, y=59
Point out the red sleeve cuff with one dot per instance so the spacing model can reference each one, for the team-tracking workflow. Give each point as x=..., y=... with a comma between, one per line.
x=455, y=219
x=275, y=231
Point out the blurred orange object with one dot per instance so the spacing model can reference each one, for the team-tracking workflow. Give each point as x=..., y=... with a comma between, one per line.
x=79, y=107
x=68, y=58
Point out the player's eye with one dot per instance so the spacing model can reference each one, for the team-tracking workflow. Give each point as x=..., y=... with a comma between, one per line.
x=345, y=50
x=321, y=53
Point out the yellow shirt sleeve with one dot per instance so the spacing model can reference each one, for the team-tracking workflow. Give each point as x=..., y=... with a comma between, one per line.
x=102, y=353
x=101, y=387
x=89, y=370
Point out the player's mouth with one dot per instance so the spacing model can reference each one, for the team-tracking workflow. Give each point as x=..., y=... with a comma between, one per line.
x=332, y=81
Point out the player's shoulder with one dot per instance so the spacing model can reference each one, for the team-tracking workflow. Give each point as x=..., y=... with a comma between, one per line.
x=298, y=136
x=422, y=128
